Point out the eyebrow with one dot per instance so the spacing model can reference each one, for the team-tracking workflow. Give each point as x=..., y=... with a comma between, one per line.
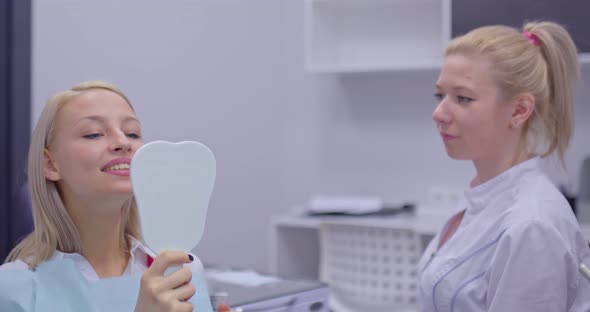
x=463, y=89
x=102, y=119
x=456, y=88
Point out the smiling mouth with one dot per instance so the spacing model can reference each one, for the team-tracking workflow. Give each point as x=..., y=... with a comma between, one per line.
x=117, y=167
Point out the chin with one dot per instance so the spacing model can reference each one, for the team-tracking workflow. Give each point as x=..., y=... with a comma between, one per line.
x=123, y=190
x=457, y=155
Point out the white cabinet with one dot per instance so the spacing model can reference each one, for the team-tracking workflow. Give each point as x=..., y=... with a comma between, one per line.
x=382, y=35
x=294, y=239
x=373, y=35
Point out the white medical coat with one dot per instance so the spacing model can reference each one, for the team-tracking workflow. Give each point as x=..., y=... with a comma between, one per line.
x=517, y=248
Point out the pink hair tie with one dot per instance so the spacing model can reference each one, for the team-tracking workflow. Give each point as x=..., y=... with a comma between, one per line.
x=532, y=38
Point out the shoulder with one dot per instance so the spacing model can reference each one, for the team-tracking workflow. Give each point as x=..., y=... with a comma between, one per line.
x=17, y=287
x=538, y=203
x=538, y=193
x=14, y=265
x=537, y=238
x=530, y=230
x=539, y=189
x=533, y=243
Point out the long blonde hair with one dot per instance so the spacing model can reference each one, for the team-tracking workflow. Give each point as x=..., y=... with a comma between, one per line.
x=54, y=229
x=545, y=65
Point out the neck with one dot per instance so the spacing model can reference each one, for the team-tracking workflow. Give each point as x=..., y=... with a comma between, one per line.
x=99, y=227
x=488, y=169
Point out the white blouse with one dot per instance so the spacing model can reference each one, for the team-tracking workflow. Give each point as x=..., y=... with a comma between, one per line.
x=517, y=248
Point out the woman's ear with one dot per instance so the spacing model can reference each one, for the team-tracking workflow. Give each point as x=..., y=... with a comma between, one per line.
x=523, y=108
x=49, y=167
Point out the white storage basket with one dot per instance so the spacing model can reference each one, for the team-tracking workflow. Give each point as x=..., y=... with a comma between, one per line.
x=369, y=268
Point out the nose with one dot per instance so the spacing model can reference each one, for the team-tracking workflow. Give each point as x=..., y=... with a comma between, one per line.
x=121, y=143
x=441, y=115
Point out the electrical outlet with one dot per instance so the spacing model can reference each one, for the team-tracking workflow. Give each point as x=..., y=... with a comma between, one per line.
x=445, y=197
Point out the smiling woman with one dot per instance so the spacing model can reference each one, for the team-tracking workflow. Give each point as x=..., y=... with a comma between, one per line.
x=64, y=167
x=85, y=214
x=97, y=133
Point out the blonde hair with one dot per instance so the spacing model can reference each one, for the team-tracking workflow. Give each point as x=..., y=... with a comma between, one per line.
x=545, y=66
x=54, y=229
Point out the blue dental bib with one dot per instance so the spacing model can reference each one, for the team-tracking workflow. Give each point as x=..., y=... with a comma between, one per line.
x=59, y=286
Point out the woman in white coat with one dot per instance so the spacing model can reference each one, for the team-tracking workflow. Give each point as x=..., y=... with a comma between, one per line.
x=506, y=99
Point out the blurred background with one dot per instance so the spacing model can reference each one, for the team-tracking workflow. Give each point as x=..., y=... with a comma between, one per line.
x=250, y=80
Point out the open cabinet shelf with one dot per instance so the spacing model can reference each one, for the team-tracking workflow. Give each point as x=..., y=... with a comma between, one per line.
x=386, y=35
x=373, y=35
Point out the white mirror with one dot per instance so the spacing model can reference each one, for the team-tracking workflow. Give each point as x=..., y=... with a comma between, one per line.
x=172, y=183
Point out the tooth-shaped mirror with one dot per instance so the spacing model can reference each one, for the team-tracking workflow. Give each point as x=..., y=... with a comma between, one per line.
x=172, y=183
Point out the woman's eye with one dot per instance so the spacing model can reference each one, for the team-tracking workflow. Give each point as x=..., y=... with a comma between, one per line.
x=133, y=135
x=93, y=136
x=464, y=99
x=439, y=96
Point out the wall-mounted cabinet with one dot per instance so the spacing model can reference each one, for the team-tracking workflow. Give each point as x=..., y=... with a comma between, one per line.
x=373, y=35
x=381, y=35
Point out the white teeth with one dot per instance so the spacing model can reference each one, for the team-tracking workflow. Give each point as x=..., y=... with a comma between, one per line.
x=118, y=167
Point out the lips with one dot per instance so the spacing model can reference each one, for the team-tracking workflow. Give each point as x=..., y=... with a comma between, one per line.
x=118, y=166
x=447, y=137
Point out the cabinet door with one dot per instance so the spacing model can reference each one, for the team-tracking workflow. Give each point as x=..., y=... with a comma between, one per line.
x=573, y=14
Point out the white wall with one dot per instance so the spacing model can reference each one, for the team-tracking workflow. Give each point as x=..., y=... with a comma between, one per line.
x=210, y=71
x=229, y=73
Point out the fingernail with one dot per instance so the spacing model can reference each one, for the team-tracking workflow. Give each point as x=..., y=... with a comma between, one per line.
x=190, y=257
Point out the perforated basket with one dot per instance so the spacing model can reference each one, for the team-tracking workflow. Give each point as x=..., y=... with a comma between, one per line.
x=369, y=268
